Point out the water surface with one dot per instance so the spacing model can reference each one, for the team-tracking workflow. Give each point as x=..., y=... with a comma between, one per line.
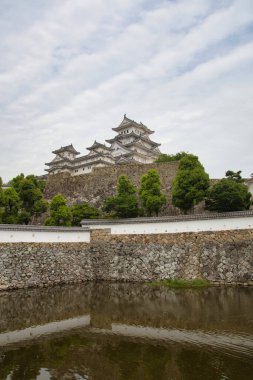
x=126, y=331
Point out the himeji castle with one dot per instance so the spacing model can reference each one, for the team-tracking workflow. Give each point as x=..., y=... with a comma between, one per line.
x=132, y=144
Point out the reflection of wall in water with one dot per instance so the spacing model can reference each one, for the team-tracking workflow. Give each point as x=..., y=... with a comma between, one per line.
x=130, y=304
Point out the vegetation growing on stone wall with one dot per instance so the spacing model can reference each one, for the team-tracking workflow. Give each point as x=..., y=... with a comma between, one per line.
x=190, y=184
x=180, y=283
x=228, y=194
x=150, y=193
x=171, y=157
x=125, y=203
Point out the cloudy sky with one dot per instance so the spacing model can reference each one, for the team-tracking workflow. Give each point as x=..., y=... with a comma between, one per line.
x=70, y=69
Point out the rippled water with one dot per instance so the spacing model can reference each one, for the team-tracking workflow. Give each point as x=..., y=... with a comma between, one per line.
x=126, y=331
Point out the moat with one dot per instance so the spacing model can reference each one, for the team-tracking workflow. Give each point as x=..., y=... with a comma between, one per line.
x=126, y=331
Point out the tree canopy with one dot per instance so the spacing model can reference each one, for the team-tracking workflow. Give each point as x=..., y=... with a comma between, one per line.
x=83, y=211
x=235, y=176
x=190, y=184
x=11, y=204
x=125, y=203
x=57, y=201
x=60, y=213
x=30, y=192
x=228, y=194
x=171, y=157
x=150, y=193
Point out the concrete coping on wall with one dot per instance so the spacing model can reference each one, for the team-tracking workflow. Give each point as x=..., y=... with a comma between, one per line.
x=162, y=219
x=20, y=227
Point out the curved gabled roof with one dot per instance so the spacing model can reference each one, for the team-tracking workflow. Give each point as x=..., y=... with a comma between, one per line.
x=126, y=122
x=96, y=144
x=67, y=148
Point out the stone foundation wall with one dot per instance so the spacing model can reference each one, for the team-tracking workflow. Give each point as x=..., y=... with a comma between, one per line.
x=221, y=257
x=42, y=264
x=101, y=183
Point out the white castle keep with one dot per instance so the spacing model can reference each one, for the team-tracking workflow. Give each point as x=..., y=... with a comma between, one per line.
x=131, y=144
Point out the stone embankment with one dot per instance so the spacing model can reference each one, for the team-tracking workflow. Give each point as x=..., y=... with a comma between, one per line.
x=101, y=183
x=222, y=257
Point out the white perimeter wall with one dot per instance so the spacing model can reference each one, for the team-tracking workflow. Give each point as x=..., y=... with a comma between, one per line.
x=13, y=236
x=178, y=226
x=71, y=235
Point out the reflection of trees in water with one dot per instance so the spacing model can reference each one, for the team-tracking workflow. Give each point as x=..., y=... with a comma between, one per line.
x=112, y=357
x=21, y=364
x=206, y=309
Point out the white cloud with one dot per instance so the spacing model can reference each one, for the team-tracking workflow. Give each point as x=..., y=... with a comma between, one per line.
x=69, y=73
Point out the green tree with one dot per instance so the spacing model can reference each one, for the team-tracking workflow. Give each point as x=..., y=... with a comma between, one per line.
x=228, y=195
x=40, y=206
x=171, y=157
x=39, y=183
x=11, y=204
x=235, y=176
x=16, y=182
x=23, y=217
x=57, y=201
x=60, y=213
x=23, y=200
x=29, y=194
x=29, y=190
x=60, y=217
x=150, y=193
x=125, y=203
x=190, y=184
x=83, y=211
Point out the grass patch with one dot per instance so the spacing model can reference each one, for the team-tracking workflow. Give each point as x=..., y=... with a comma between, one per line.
x=181, y=284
